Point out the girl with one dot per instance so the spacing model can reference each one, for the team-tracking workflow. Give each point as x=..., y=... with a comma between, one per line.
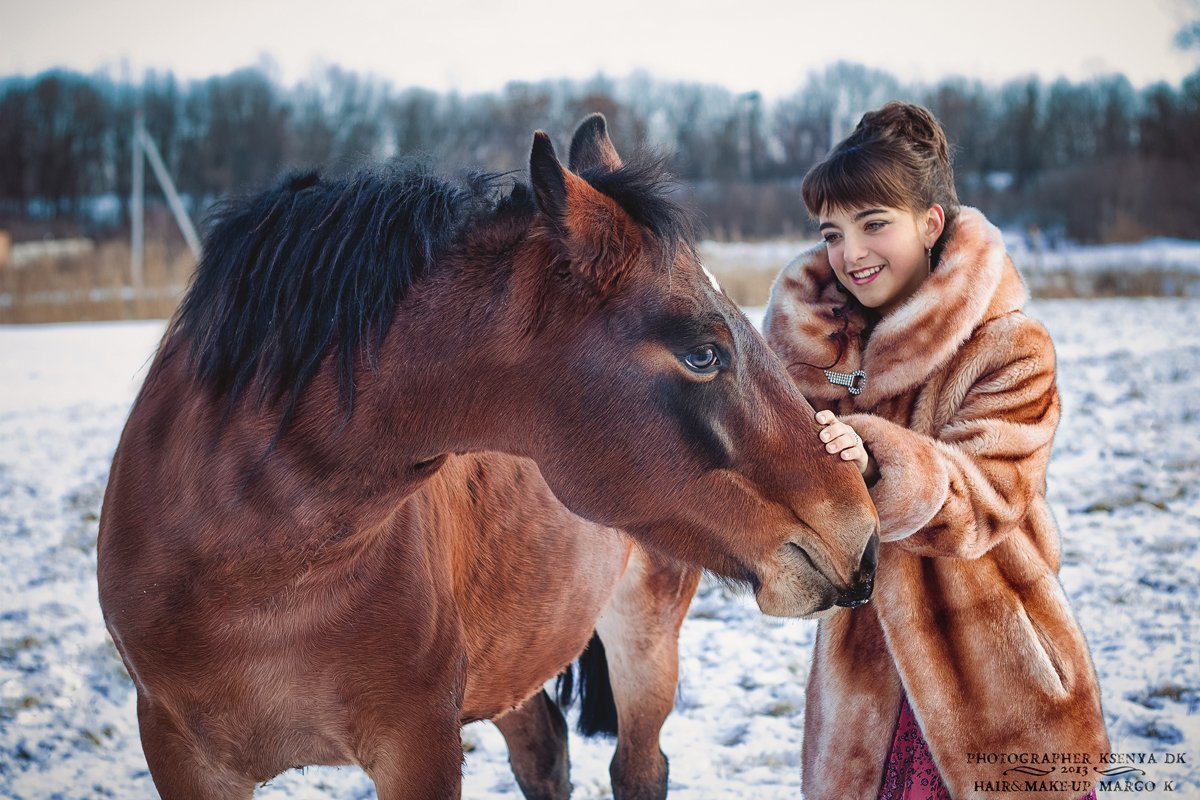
x=967, y=675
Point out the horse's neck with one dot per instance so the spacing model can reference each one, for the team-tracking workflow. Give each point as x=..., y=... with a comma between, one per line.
x=445, y=382
x=451, y=375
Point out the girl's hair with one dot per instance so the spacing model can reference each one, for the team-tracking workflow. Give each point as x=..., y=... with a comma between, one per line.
x=898, y=156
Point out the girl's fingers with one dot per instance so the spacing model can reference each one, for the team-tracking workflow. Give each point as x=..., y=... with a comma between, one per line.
x=840, y=438
x=835, y=430
x=843, y=442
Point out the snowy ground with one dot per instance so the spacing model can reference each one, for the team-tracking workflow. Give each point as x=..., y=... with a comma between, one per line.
x=1125, y=485
x=1179, y=255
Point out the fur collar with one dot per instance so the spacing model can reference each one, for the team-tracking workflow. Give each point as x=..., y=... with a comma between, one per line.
x=974, y=282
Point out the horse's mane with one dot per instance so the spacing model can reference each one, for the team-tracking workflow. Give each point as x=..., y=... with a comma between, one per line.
x=315, y=263
x=643, y=187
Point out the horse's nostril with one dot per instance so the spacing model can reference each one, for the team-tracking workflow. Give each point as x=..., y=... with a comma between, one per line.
x=864, y=580
x=870, y=558
x=807, y=557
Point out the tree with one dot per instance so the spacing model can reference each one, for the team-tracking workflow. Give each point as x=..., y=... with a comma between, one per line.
x=1188, y=35
x=966, y=112
x=1020, y=131
x=237, y=129
x=61, y=154
x=16, y=186
x=337, y=119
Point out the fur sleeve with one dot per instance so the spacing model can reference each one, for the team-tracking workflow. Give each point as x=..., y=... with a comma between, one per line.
x=960, y=492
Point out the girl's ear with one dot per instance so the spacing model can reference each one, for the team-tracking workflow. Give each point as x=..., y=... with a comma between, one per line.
x=935, y=223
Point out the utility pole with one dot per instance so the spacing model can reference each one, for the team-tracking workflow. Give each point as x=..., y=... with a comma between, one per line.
x=168, y=186
x=137, y=205
x=144, y=147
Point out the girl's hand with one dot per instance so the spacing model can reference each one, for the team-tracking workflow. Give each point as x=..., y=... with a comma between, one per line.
x=841, y=438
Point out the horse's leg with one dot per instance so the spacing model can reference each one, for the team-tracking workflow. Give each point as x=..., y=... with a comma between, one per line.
x=178, y=770
x=412, y=731
x=640, y=631
x=536, y=734
x=420, y=761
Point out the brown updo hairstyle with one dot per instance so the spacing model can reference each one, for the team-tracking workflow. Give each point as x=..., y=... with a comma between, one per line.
x=898, y=156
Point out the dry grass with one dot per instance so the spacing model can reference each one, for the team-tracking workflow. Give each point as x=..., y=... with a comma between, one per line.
x=1167, y=282
x=747, y=270
x=747, y=287
x=97, y=286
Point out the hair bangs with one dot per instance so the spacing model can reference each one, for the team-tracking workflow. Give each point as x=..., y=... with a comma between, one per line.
x=854, y=178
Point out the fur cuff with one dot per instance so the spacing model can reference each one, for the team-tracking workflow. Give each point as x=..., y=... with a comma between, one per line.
x=913, y=484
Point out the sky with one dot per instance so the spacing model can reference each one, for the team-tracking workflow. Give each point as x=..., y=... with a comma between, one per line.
x=479, y=45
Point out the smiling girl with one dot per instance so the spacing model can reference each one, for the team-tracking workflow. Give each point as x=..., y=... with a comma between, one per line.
x=966, y=676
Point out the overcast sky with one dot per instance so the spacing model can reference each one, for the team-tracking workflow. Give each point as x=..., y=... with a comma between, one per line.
x=476, y=45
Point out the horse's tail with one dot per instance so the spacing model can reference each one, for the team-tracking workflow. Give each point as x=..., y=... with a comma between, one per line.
x=597, y=708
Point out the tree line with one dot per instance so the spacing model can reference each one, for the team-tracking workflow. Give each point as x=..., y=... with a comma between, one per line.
x=1098, y=160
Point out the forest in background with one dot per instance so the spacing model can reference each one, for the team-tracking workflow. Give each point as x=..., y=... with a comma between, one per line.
x=1093, y=161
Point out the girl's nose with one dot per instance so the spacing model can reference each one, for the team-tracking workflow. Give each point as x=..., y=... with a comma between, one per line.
x=854, y=249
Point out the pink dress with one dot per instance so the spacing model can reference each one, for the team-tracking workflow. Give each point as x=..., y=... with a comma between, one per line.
x=910, y=773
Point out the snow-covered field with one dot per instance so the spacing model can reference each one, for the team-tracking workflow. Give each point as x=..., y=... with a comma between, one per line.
x=1125, y=485
x=1059, y=269
x=1179, y=255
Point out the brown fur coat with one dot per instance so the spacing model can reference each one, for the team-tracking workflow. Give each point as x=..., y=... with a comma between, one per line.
x=958, y=411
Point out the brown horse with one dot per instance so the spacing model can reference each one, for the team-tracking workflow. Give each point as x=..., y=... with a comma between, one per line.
x=342, y=517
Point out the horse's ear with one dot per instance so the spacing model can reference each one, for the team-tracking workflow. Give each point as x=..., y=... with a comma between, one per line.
x=549, y=182
x=591, y=148
x=601, y=239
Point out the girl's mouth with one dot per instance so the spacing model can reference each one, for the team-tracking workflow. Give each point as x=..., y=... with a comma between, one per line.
x=864, y=276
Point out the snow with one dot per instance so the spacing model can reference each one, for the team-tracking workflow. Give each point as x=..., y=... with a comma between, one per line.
x=755, y=255
x=1163, y=254
x=1123, y=484
x=1179, y=255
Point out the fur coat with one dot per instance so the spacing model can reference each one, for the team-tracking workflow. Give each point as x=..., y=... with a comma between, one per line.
x=958, y=411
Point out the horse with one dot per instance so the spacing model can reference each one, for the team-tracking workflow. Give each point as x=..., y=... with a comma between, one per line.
x=384, y=474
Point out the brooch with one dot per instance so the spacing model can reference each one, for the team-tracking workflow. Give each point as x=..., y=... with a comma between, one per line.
x=854, y=382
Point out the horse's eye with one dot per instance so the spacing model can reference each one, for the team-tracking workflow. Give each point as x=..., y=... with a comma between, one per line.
x=703, y=359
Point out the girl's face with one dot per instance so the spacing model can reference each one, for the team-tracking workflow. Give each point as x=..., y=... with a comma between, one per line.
x=878, y=252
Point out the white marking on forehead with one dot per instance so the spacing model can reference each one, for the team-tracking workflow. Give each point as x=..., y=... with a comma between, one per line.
x=711, y=278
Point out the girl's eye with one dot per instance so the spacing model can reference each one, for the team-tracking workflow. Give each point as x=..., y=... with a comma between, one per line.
x=874, y=225
x=704, y=359
x=830, y=238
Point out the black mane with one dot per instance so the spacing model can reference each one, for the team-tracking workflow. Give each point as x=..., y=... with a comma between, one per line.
x=644, y=188
x=314, y=263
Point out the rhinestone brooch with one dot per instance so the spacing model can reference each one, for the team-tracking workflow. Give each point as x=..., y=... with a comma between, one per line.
x=854, y=382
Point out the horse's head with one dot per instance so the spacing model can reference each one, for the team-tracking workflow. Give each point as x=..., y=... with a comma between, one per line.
x=661, y=410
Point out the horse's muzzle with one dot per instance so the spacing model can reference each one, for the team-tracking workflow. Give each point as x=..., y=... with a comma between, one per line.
x=860, y=590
